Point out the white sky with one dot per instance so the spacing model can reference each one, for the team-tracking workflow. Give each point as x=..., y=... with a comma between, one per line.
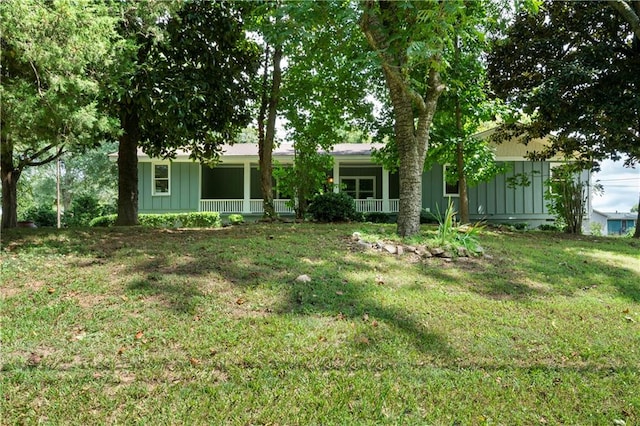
x=621, y=187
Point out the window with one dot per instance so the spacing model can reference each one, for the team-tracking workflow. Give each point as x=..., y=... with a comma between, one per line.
x=449, y=189
x=360, y=188
x=160, y=178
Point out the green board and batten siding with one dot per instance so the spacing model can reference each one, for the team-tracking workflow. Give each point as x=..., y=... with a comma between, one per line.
x=185, y=186
x=494, y=200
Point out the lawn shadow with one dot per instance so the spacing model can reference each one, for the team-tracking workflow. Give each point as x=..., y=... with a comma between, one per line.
x=182, y=274
x=521, y=270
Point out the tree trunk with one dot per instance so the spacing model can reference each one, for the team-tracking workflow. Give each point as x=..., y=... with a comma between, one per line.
x=462, y=175
x=636, y=233
x=265, y=148
x=413, y=113
x=462, y=183
x=9, y=175
x=128, y=170
x=411, y=159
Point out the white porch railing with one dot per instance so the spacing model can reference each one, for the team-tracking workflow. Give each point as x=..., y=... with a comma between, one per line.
x=237, y=206
x=255, y=206
x=221, y=206
x=368, y=206
x=376, y=205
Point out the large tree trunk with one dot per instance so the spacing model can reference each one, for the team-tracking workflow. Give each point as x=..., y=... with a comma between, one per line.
x=411, y=156
x=9, y=175
x=413, y=113
x=265, y=147
x=128, y=170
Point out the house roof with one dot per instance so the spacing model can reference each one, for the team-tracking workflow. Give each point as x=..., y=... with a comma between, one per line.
x=282, y=150
x=617, y=216
x=251, y=149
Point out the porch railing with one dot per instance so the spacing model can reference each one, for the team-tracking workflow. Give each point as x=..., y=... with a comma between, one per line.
x=237, y=206
x=221, y=206
x=255, y=206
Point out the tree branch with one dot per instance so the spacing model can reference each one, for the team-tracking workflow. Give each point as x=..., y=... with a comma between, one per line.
x=628, y=14
x=30, y=159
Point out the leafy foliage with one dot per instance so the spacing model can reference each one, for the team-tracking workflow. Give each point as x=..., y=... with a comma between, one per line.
x=168, y=220
x=573, y=69
x=54, y=56
x=306, y=178
x=414, y=42
x=567, y=197
x=236, y=219
x=41, y=215
x=456, y=237
x=84, y=209
x=186, y=84
x=334, y=207
x=377, y=217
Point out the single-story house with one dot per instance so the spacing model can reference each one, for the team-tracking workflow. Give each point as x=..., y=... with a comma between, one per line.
x=233, y=186
x=614, y=223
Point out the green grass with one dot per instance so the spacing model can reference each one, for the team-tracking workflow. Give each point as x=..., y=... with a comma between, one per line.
x=157, y=326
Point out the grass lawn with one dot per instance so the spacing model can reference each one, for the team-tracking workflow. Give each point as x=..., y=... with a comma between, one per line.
x=144, y=326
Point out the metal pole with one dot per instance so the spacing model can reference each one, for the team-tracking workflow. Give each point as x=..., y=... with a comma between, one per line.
x=58, y=191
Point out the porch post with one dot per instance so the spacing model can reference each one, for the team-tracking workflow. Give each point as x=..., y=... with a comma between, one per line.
x=385, y=190
x=246, y=202
x=336, y=175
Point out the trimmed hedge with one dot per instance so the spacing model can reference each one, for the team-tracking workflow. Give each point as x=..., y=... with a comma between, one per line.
x=168, y=220
x=236, y=219
x=378, y=217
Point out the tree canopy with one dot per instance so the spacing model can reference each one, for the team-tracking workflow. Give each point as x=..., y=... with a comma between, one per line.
x=573, y=69
x=187, y=85
x=53, y=56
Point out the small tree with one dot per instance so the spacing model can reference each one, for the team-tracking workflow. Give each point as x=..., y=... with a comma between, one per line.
x=567, y=196
x=306, y=178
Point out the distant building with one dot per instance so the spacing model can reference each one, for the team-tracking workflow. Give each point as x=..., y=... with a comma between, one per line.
x=614, y=223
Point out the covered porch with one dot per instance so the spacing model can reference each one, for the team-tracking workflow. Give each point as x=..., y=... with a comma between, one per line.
x=235, y=188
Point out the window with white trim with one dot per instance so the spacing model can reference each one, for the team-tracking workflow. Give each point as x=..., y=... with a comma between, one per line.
x=359, y=187
x=449, y=189
x=161, y=178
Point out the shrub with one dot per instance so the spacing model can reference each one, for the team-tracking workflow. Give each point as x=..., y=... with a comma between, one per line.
x=104, y=221
x=236, y=219
x=168, y=220
x=42, y=215
x=516, y=226
x=334, y=207
x=596, y=229
x=378, y=217
x=83, y=209
x=457, y=237
x=427, y=217
x=548, y=227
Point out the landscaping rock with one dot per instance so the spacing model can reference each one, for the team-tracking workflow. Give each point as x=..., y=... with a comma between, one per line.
x=400, y=250
x=356, y=236
x=411, y=249
x=303, y=278
x=426, y=254
x=436, y=251
x=463, y=252
x=390, y=248
x=363, y=244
